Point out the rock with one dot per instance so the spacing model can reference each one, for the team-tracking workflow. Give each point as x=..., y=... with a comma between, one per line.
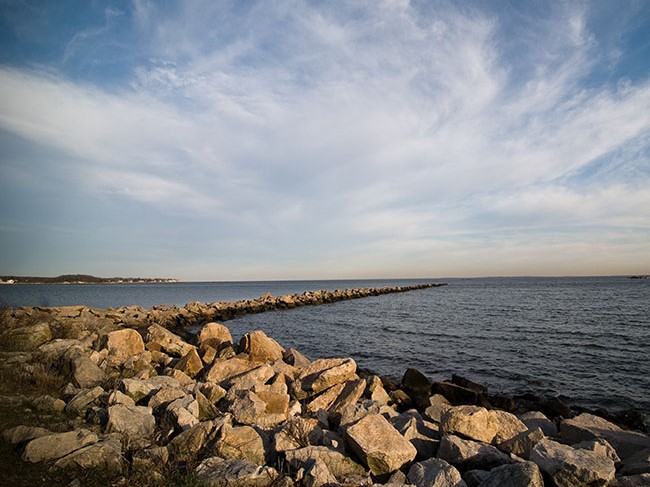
x=438, y=404
x=48, y=404
x=508, y=426
x=208, y=354
x=298, y=433
x=375, y=391
x=139, y=389
x=165, y=396
x=325, y=400
x=641, y=480
x=85, y=374
x=264, y=405
x=401, y=400
x=637, y=464
x=569, y=467
x=241, y=442
x=588, y=427
x=27, y=337
x=182, y=378
x=472, y=422
x=260, y=348
x=80, y=402
x=424, y=436
x=523, y=474
x=117, y=397
x=470, y=455
x=22, y=434
x=105, y=455
x=536, y=419
x=354, y=412
x=523, y=443
x=57, y=445
x=214, y=335
x=599, y=446
x=348, y=396
x=189, y=443
x=223, y=369
x=434, y=473
x=468, y=384
x=323, y=374
x=417, y=386
x=455, y=394
x=184, y=411
x=207, y=410
x=213, y=392
x=124, y=343
x=191, y=364
x=295, y=358
x=259, y=375
x=135, y=424
x=379, y=445
x=218, y=472
x=150, y=459
x=339, y=464
x=169, y=343
x=317, y=474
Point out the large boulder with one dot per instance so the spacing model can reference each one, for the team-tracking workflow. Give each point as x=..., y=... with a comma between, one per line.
x=570, y=467
x=214, y=335
x=508, y=426
x=523, y=443
x=240, y=442
x=521, y=474
x=189, y=443
x=470, y=455
x=260, y=347
x=138, y=389
x=191, y=364
x=80, y=402
x=473, y=422
x=57, y=445
x=537, y=419
x=340, y=465
x=379, y=445
x=169, y=342
x=85, y=374
x=219, y=472
x=105, y=456
x=223, y=369
x=264, y=405
x=588, y=427
x=434, y=473
x=322, y=374
x=27, y=337
x=124, y=343
x=135, y=424
x=438, y=404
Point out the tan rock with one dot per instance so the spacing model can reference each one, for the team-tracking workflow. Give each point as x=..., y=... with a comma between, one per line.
x=105, y=456
x=536, y=419
x=337, y=462
x=214, y=335
x=376, y=391
x=21, y=434
x=438, y=404
x=325, y=400
x=124, y=343
x=470, y=455
x=135, y=424
x=434, y=473
x=241, y=442
x=523, y=443
x=260, y=347
x=27, y=337
x=472, y=422
x=223, y=369
x=323, y=374
x=216, y=472
x=190, y=442
x=508, y=426
x=78, y=404
x=191, y=364
x=85, y=374
x=57, y=445
x=379, y=445
x=350, y=394
x=169, y=342
x=257, y=376
x=522, y=474
x=298, y=433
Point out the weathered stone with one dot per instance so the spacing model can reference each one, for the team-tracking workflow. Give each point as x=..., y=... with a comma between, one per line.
x=295, y=358
x=536, y=419
x=401, y=400
x=48, y=404
x=139, y=389
x=135, y=424
x=417, y=386
x=219, y=472
x=150, y=459
x=213, y=392
x=190, y=442
x=117, y=397
x=22, y=434
x=588, y=427
x=85, y=374
x=260, y=347
x=438, y=404
x=169, y=342
x=434, y=473
x=472, y=422
x=339, y=464
x=569, y=467
x=350, y=394
x=263, y=405
x=325, y=400
x=27, y=337
x=375, y=391
x=208, y=354
x=298, y=433
x=78, y=404
x=637, y=464
x=105, y=455
x=424, y=436
x=354, y=412
x=124, y=343
x=470, y=455
x=165, y=396
x=641, y=480
x=323, y=374
x=182, y=378
x=185, y=412
x=523, y=443
x=523, y=474
x=316, y=474
x=508, y=426
x=57, y=445
x=600, y=446
x=259, y=375
x=223, y=369
x=207, y=410
x=214, y=335
x=379, y=445
x=241, y=442
x=468, y=384
x=190, y=364
x=455, y=394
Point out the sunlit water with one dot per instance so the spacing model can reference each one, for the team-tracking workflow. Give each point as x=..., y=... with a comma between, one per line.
x=584, y=339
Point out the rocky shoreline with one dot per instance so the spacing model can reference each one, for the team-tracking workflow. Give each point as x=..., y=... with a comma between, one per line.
x=141, y=400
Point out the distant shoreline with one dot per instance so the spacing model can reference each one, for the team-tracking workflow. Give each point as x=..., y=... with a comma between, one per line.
x=82, y=279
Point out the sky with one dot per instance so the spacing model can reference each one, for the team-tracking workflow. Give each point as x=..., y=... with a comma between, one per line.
x=291, y=139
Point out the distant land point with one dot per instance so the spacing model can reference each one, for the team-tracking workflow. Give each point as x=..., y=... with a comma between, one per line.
x=80, y=279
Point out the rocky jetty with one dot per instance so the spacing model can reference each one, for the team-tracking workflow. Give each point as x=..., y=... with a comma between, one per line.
x=141, y=401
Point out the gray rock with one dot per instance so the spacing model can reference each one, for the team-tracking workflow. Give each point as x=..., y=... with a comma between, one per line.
x=474, y=477
x=23, y=434
x=423, y=435
x=105, y=455
x=523, y=443
x=379, y=445
x=264, y=405
x=85, y=374
x=184, y=411
x=189, y=443
x=438, y=404
x=435, y=473
x=570, y=467
x=473, y=422
x=298, y=433
x=508, y=426
x=27, y=337
x=219, y=472
x=48, y=404
x=260, y=347
x=170, y=343
x=138, y=389
x=600, y=446
x=118, y=397
x=322, y=374
x=636, y=464
x=588, y=427
x=214, y=335
x=470, y=455
x=536, y=419
x=135, y=424
x=339, y=464
x=350, y=394
x=241, y=442
x=79, y=403
x=523, y=474
x=316, y=474
x=57, y=445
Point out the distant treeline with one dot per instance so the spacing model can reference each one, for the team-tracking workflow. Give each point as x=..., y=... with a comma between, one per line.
x=78, y=279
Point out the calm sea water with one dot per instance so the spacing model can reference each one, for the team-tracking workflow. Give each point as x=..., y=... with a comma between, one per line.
x=584, y=339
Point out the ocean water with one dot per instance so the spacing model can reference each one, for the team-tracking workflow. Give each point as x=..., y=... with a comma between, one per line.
x=586, y=340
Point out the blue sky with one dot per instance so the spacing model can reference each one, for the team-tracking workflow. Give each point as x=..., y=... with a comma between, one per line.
x=218, y=140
